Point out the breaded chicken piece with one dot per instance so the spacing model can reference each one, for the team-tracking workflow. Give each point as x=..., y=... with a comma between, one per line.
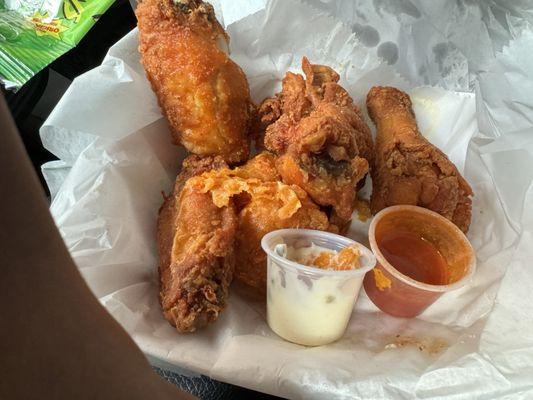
x=269, y=206
x=201, y=91
x=272, y=205
x=324, y=145
x=262, y=167
x=213, y=224
x=195, y=243
x=408, y=168
x=263, y=204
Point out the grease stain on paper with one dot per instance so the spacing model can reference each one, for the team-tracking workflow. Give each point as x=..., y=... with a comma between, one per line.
x=431, y=115
x=429, y=345
x=389, y=52
x=367, y=35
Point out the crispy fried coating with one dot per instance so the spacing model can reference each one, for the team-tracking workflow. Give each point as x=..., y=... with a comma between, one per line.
x=195, y=243
x=203, y=94
x=273, y=205
x=263, y=204
x=408, y=168
x=211, y=228
x=262, y=167
x=324, y=145
x=195, y=165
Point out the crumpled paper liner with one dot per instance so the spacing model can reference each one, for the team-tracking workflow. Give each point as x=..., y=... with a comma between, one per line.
x=116, y=158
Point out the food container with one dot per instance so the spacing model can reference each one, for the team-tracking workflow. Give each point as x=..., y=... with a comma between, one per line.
x=400, y=295
x=308, y=305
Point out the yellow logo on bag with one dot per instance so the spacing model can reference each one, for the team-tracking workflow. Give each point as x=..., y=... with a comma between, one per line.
x=50, y=28
x=72, y=10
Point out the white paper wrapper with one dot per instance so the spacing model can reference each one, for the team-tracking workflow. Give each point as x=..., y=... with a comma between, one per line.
x=116, y=158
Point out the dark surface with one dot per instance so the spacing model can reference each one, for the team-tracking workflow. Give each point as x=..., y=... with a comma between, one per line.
x=57, y=341
x=21, y=105
x=112, y=26
x=209, y=389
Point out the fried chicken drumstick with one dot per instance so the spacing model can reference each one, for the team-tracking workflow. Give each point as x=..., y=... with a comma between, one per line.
x=324, y=145
x=195, y=242
x=408, y=169
x=203, y=94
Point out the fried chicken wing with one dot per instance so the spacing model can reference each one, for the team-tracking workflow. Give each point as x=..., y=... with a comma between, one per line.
x=408, y=168
x=196, y=258
x=262, y=167
x=201, y=91
x=211, y=227
x=272, y=205
x=324, y=145
x=263, y=204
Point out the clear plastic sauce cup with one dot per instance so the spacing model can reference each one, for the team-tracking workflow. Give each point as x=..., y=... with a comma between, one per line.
x=308, y=305
x=400, y=295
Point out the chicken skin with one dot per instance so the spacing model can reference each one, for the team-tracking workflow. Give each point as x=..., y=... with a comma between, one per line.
x=201, y=91
x=322, y=142
x=408, y=169
x=195, y=243
x=269, y=206
x=263, y=204
x=211, y=227
x=272, y=206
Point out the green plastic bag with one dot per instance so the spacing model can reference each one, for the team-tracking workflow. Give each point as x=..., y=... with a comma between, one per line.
x=33, y=33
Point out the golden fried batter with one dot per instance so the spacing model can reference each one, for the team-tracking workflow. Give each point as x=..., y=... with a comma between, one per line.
x=203, y=94
x=409, y=169
x=273, y=205
x=195, y=242
x=213, y=223
x=263, y=204
x=262, y=167
x=324, y=145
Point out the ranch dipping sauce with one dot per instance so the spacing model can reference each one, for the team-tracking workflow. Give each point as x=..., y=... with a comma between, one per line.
x=296, y=302
x=312, y=304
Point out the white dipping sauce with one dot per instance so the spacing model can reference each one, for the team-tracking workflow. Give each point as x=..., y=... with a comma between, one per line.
x=309, y=309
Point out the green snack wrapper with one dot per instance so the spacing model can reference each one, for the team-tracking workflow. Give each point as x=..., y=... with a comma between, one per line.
x=33, y=33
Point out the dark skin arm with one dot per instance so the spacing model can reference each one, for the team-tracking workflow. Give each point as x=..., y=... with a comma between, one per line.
x=56, y=340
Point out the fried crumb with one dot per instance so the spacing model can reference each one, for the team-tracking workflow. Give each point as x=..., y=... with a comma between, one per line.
x=346, y=259
x=382, y=282
x=429, y=345
x=362, y=207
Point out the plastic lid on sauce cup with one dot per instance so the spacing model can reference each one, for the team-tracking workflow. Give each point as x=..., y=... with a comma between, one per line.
x=402, y=295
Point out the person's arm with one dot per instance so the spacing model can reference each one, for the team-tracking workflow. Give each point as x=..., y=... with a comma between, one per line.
x=56, y=340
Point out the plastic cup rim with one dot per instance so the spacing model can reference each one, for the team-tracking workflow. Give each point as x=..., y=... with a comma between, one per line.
x=296, y=267
x=406, y=279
